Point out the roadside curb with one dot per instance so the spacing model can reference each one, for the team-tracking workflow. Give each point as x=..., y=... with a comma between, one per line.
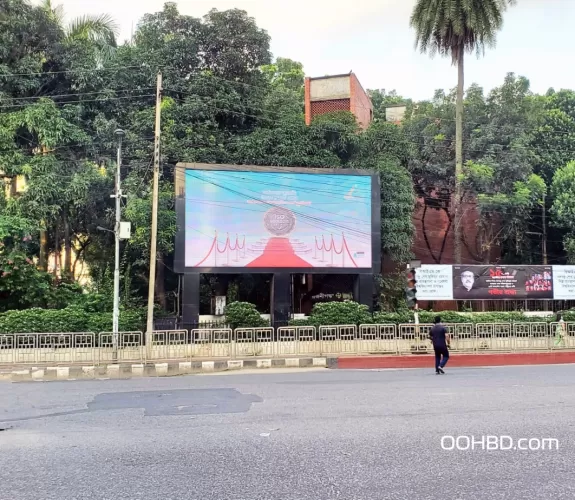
x=455, y=360
x=165, y=369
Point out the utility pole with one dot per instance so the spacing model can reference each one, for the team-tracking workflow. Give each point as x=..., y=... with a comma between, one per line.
x=544, y=232
x=118, y=195
x=154, y=235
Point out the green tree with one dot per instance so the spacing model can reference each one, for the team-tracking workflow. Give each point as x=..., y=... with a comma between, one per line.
x=285, y=98
x=100, y=30
x=21, y=284
x=499, y=174
x=47, y=150
x=29, y=40
x=285, y=73
x=451, y=28
x=553, y=136
x=384, y=149
x=381, y=99
x=563, y=208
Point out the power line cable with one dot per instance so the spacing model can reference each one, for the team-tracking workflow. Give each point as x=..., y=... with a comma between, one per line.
x=87, y=100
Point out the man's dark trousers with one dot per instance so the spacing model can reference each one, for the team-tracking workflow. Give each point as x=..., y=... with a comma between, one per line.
x=439, y=352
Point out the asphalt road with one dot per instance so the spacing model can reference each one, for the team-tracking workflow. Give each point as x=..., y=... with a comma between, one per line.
x=290, y=435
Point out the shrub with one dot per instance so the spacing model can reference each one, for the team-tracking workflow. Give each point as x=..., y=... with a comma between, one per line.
x=63, y=294
x=69, y=319
x=21, y=284
x=340, y=313
x=243, y=315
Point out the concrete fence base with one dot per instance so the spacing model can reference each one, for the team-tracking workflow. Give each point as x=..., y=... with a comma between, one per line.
x=168, y=369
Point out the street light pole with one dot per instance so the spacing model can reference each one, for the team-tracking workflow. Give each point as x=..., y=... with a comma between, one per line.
x=118, y=195
x=154, y=235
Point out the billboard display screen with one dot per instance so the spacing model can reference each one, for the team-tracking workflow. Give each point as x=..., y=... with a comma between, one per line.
x=277, y=219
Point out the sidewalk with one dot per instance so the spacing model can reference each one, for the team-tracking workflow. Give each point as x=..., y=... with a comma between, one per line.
x=455, y=360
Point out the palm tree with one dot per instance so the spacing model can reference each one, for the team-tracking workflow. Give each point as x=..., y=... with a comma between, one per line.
x=101, y=30
x=451, y=28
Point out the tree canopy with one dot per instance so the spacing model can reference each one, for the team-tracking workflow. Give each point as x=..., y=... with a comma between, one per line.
x=64, y=89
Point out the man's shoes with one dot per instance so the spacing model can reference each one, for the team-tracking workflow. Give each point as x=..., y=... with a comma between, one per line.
x=440, y=371
x=437, y=372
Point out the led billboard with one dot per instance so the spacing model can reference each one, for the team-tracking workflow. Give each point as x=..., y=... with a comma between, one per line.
x=277, y=219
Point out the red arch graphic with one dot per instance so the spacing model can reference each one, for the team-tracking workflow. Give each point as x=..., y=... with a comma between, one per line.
x=228, y=246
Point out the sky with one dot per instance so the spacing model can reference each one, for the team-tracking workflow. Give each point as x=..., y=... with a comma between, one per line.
x=373, y=39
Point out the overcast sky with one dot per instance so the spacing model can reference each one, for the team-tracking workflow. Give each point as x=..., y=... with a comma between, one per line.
x=373, y=38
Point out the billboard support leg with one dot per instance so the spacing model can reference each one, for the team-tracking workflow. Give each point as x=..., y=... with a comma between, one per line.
x=280, y=299
x=191, y=301
x=363, y=290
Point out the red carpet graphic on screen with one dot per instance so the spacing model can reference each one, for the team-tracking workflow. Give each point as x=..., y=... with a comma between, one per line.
x=278, y=253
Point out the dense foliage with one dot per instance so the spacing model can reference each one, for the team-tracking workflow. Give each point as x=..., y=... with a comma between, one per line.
x=64, y=89
x=70, y=319
x=352, y=313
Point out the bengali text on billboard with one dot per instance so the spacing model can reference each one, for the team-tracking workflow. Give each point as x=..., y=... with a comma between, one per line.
x=256, y=219
x=435, y=281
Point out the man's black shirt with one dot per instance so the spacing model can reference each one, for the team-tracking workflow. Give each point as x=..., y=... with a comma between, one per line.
x=437, y=335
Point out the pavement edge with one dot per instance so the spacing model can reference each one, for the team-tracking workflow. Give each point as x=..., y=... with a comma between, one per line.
x=155, y=369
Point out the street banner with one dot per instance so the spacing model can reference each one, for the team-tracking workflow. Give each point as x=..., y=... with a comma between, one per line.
x=434, y=281
x=502, y=282
x=495, y=282
x=564, y=282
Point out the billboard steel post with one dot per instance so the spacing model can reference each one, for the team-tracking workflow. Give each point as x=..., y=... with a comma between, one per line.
x=191, y=301
x=280, y=299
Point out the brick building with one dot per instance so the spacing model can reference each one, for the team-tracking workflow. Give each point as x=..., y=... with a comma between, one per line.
x=434, y=241
x=327, y=94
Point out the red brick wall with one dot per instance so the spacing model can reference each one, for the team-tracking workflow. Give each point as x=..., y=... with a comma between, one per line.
x=436, y=223
x=307, y=103
x=322, y=107
x=361, y=105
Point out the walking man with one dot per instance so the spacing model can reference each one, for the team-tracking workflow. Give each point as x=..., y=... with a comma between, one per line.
x=440, y=339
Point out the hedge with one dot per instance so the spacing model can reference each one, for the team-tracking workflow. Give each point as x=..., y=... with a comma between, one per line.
x=242, y=314
x=70, y=319
x=352, y=313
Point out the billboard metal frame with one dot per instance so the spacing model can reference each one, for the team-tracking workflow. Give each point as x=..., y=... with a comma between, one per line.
x=180, y=205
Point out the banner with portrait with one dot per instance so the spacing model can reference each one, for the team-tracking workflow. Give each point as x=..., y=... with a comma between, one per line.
x=497, y=282
x=502, y=282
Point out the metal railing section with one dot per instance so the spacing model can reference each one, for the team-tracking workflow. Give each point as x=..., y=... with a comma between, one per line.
x=338, y=339
x=211, y=342
x=225, y=343
x=377, y=339
x=254, y=342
